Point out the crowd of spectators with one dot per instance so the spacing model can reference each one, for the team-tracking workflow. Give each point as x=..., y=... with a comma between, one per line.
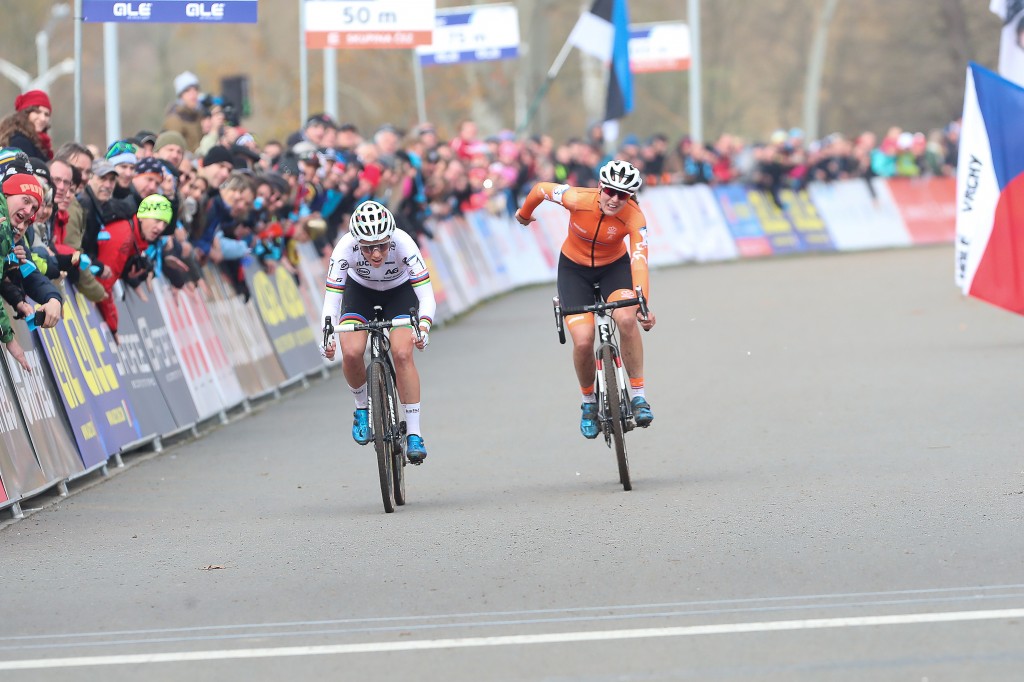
x=205, y=190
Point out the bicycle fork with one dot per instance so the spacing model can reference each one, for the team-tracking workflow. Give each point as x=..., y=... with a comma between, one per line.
x=603, y=396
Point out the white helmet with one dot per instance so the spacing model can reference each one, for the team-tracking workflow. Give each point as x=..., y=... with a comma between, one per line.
x=371, y=222
x=621, y=175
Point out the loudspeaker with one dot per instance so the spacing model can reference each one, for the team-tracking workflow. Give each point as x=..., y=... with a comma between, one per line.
x=234, y=91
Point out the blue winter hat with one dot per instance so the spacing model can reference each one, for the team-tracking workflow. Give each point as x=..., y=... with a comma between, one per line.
x=122, y=151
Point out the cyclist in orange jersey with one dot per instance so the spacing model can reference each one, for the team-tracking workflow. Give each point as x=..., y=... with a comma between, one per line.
x=595, y=251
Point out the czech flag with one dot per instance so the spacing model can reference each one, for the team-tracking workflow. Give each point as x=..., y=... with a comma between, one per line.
x=990, y=191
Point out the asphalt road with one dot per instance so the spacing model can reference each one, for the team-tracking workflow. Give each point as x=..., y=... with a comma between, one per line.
x=832, y=489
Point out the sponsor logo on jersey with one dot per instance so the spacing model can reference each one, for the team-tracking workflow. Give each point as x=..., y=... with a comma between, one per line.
x=556, y=194
x=363, y=272
x=413, y=262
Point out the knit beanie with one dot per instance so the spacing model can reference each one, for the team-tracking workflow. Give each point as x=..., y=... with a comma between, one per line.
x=22, y=183
x=122, y=151
x=149, y=164
x=32, y=98
x=155, y=206
x=169, y=137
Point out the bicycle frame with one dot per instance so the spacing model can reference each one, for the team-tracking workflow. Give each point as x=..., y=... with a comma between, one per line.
x=606, y=338
x=384, y=403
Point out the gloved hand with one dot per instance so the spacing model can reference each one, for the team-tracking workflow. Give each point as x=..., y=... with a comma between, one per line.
x=424, y=336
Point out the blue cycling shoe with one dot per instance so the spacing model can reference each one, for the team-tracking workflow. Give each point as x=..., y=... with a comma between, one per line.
x=415, y=449
x=588, y=421
x=641, y=411
x=361, y=426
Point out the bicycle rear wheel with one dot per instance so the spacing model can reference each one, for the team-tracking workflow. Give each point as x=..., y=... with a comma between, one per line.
x=382, y=416
x=613, y=394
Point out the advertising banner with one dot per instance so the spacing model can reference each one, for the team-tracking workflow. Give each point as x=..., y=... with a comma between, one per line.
x=369, y=24
x=441, y=280
x=659, y=47
x=136, y=375
x=229, y=332
x=473, y=34
x=464, y=277
x=686, y=224
x=225, y=380
x=67, y=376
x=163, y=361
x=284, y=319
x=855, y=218
x=549, y=232
x=47, y=429
x=526, y=261
x=96, y=404
x=191, y=358
x=750, y=238
x=115, y=414
x=18, y=466
x=245, y=318
x=492, y=245
x=170, y=12
x=928, y=207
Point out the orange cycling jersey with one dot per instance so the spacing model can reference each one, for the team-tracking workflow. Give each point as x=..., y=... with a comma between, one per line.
x=596, y=239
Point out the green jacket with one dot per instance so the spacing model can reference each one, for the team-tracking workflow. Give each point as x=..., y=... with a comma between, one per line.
x=6, y=246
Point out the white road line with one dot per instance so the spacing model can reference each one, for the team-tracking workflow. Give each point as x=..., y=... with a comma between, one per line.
x=515, y=640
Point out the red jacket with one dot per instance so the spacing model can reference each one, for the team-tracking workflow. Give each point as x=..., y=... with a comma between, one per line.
x=125, y=241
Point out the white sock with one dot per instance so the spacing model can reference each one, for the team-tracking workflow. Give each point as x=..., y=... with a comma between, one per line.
x=412, y=418
x=360, y=395
x=635, y=391
x=590, y=397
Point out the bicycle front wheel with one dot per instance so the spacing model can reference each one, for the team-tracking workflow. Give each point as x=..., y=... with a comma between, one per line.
x=613, y=394
x=382, y=416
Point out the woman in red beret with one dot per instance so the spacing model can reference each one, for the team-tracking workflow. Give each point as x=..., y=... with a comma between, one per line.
x=28, y=127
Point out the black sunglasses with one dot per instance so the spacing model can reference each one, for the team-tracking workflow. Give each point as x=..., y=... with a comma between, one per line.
x=617, y=193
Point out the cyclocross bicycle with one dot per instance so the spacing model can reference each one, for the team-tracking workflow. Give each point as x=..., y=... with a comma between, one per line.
x=614, y=412
x=383, y=402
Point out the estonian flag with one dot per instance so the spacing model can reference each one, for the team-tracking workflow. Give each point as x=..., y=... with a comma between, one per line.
x=990, y=191
x=603, y=32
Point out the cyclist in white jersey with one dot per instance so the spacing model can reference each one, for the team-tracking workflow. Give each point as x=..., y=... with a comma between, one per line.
x=377, y=265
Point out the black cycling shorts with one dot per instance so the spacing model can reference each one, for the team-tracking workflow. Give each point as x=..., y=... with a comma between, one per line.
x=576, y=282
x=359, y=300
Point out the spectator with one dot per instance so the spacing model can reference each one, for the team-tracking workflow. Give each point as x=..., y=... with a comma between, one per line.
x=170, y=147
x=124, y=254
x=144, y=142
x=95, y=199
x=121, y=155
x=80, y=159
x=184, y=115
x=21, y=277
x=28, y=127
x=22, y=196
x=905, y=161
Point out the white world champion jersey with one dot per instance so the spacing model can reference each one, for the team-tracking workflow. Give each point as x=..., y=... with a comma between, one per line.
x=403, y=263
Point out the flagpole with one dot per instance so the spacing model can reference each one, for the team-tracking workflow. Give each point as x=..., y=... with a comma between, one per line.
x=548, y=79
x=696, y=103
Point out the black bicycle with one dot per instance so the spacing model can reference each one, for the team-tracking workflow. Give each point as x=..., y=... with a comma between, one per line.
x=387, y=419
x=614, y=412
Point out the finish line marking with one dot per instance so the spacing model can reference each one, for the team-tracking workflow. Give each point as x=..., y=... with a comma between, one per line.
x=515, y=640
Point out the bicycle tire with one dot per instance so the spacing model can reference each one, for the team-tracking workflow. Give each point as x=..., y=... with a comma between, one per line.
x=613, y=394
x=397, y=445
x=381, y=417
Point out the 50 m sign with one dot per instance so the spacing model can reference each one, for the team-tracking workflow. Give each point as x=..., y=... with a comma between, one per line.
x=369, y=24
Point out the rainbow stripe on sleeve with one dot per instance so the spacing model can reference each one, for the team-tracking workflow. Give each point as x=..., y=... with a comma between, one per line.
x=335, y=287
x=422, y=279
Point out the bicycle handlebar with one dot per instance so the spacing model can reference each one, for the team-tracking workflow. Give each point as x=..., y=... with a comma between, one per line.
x=374, y=325
x=601, y=306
